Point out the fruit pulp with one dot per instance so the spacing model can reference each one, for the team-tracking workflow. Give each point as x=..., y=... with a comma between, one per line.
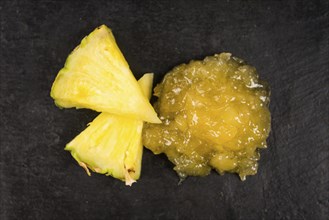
x=214, y=114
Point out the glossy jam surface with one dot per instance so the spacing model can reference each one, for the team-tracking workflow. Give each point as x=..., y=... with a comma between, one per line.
x=214, y=114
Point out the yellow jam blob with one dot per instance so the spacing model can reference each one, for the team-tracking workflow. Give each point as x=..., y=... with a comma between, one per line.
x=214, y=114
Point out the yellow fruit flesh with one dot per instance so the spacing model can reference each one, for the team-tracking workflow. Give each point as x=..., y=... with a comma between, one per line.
x=215, y=115
x=112, y=144
x=102, y=146
x=97, y=76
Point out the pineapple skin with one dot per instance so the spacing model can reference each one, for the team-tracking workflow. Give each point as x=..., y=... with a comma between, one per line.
x=97, y=76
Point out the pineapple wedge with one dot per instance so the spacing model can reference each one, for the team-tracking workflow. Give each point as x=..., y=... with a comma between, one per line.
x=112, y=144
x=97, y=76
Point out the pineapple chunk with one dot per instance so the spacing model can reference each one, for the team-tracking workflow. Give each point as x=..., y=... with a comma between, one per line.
x=146, y=83
x=97, y=76
x=112, y=144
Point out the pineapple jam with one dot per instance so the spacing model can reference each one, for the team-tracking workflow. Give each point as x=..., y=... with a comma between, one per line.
x=214, y=114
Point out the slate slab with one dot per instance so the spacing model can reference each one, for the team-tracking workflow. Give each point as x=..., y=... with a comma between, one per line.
x=287, y=41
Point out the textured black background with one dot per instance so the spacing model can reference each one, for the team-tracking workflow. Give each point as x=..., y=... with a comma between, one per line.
x=286, y=40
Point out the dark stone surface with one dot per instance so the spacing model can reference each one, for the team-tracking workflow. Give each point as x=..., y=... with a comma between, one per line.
x=286, y=40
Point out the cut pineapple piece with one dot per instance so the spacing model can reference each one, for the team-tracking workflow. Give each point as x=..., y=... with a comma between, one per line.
x=146, y=83
x=103, y=145
x=97, y=76
x=112, y=144
x=133, y=160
